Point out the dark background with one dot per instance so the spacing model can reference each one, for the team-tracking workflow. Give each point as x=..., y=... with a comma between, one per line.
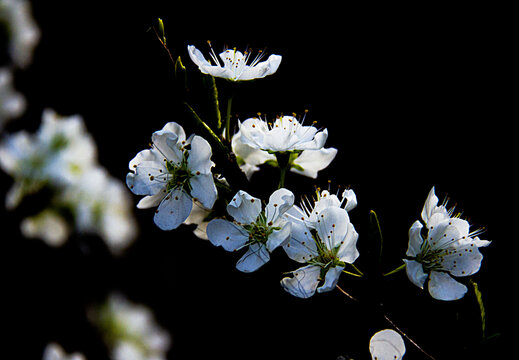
x=407, y=106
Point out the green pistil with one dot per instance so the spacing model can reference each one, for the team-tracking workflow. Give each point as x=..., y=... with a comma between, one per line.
x=260, y=230
x=179, y=175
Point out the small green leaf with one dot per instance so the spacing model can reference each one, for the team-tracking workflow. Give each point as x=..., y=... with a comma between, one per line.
x=479, y=298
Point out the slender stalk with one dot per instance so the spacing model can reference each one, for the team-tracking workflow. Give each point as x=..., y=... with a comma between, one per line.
x=398, y=269
x=228, y=120
x=206, y=127
x=392, y=324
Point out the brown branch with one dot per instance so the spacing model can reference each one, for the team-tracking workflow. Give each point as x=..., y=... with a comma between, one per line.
x=392, y=324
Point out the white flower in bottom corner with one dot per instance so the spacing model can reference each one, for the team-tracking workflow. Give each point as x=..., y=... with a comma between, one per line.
x=387, y=345
x=261, y=230
x=448, y=249
x=325, y=246
x=55, y=352
x=173, y=173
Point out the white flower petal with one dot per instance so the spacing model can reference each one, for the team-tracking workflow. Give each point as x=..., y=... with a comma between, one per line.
x=462, y=261
x=312, y=161
x=304, y=281
x=147, y=169
x=443, y=287
x=415, y=273
x=255, y=257
x=262, y=69
x=204, y=189
x=332, y=226
x=151, y=200
x=331, y=279
x=244, y=208
x=301, y=246
x=280, y=201
x=348, y=249
x=415, y=239
x=173, y=210
x=387, y=345
x=226, y=234
x=279, y=237
x=199, y=160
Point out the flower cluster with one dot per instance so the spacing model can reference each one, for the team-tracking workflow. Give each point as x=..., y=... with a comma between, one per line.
x=178, y=172
x=62, y=156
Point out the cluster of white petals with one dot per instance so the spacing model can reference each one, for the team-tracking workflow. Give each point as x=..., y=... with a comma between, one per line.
x=257, y=142
x=322, y=238
x=130, y=330
x=62, y=155
x=54, y=351
x=234, y=64
x=173, y=173
x=448, y=249
x=259, y=229
x=12, y=103
x=24, y=34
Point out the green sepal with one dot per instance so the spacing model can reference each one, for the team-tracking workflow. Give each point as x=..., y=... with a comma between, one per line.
x=180, y=72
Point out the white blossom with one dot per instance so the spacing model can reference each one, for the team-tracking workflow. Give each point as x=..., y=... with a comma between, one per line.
x=58, y=154
x=285, y=134
x=12, y=104
x=23, y=31
x=448, y=249
x=260, y=230
x=130, y=330
x=306, y=162
x=387, y=345
x=54, y=351
x=325, y=243
x=234, y=64
x=102, y=206
x=48, y=226
x=171, y=174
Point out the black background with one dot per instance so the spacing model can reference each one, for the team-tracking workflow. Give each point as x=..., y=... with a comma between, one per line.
x=407, y=106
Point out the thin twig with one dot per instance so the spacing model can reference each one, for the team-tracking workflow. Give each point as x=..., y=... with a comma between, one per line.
x=164, y=45
x=392, y=324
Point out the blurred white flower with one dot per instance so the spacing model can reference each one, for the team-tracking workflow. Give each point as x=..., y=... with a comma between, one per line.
x=101, y=205
x=387, y=345
x=48, y=226
x=12, y=104
x=57, y=155
x=54, y=351
x=325, y=246
x=130, y=330
x=234, y=65
x=448, y=249
x=22, y=30
x=171, y=174
x=261, y=230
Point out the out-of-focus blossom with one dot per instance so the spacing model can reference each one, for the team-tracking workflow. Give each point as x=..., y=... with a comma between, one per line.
x=261, y=230
x=102, y=206
x=234, y=64
x=171, y=174
x=449, y=249
x=57, y=155
x=23, y=31
x=130, y=330
x=48, y=226
x=54, y=351
x=62, y=156
x=12, y=104
x=387, y=345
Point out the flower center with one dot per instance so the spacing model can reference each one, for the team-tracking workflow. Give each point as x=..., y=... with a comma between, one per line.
x=260, y=230
x=326, y=258
x=179, y=176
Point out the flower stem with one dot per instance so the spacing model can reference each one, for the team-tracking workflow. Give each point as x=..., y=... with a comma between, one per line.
x=228, y=120
x=283, y=159
x=398, y=269
x=391, y=323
